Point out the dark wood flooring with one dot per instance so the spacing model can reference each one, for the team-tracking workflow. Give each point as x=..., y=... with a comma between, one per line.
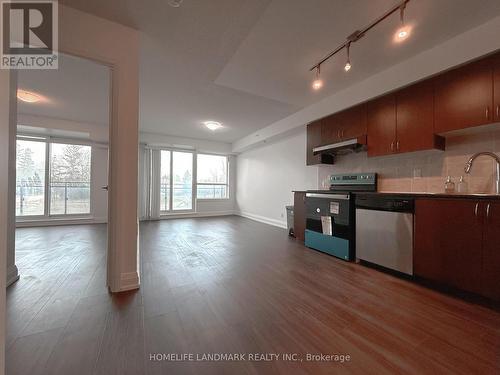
x=230, y=285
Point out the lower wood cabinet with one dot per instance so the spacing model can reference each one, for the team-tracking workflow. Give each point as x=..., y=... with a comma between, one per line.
x=299, y=215
x=456, y=244
x=490, y=275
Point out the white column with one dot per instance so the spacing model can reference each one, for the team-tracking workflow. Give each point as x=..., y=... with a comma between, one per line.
x=12, y=271
x=7, y=126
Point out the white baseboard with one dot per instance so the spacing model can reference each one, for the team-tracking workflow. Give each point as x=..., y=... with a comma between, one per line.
x=55, y=222
x=12, y=274
x=197, y=214
x=129, y=281
x=263, y=219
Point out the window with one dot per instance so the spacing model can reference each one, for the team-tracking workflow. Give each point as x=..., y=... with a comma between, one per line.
x=176, y=179
x=30, y=177
x=69, y=179
x=212, y=177
x=65, y=191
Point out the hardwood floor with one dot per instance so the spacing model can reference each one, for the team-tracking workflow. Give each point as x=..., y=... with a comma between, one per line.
x=230, y=285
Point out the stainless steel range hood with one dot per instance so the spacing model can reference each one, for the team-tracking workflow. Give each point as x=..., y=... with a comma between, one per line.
x=343, y=147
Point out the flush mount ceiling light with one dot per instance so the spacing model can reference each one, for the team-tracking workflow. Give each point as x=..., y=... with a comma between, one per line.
x=175, y=3
x=317, y=83
x=402, y=34
x=28, y=96
x=213, y=125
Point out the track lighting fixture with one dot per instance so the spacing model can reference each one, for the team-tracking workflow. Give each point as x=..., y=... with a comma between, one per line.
x=317, y=83
x=402, y=33
x=347, y=65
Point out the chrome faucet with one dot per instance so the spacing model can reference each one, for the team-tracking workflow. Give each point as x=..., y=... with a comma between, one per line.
x=468, y=166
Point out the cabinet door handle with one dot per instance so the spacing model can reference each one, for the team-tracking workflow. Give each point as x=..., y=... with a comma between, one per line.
x=475, y=209
x=342, y=133
x=488, y=211
x=338, y=134
x=487, y=113
x=498, y=110
x=392, y=146
x=397, y=145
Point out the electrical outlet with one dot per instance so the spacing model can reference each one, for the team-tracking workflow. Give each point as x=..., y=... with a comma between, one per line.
x=417, y=173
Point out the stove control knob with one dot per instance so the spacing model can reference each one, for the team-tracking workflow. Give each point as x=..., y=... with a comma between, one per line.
x=318, y=210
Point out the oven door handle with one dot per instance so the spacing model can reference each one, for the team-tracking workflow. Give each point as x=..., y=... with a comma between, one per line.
x=328, y=196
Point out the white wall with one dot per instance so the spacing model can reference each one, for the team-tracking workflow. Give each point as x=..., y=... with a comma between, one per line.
x=266, y=177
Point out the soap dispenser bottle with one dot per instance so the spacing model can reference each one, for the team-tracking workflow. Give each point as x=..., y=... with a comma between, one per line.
x=462, y=185
x=449, y=186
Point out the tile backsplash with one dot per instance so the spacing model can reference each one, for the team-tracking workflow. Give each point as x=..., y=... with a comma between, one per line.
x=426, y=171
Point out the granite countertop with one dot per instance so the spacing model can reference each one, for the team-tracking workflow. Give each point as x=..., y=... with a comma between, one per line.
x=414, y=194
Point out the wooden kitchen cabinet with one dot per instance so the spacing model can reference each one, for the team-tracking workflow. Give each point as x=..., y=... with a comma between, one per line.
x=464, y=97
x=381, y=125
x=314, y=139
x=448, y=242
x=299, y=215
x=343, y=125
x=496, y=89
x=415, y=119
x=352, y=122
x=490, y=276
x=403, y=122
x=330, y=129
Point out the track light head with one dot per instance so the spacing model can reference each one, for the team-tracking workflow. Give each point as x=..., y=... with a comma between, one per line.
x=404, y=31
x=317, y=83
x=347, y=65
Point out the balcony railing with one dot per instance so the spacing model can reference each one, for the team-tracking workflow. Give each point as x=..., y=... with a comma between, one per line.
x=182, y=197
x=68, y=197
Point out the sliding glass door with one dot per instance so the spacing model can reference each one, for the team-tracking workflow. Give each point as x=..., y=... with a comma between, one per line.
x=176, y=190
x=52, y=178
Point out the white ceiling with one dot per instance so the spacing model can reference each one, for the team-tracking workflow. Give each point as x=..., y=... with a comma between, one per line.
x=77, y=91
x=245, y=63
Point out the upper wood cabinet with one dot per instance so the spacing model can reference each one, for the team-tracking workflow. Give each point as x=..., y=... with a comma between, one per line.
x=381, y=115
x=330, y=129
x=415, y=119
x=496, y=89
x=314, y=139
x=490, y=275
x=464, y=97
x=347, y=124
x=448, y=242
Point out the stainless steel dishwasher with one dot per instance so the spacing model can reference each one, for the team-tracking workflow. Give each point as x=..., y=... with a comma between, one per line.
x=384, y=231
